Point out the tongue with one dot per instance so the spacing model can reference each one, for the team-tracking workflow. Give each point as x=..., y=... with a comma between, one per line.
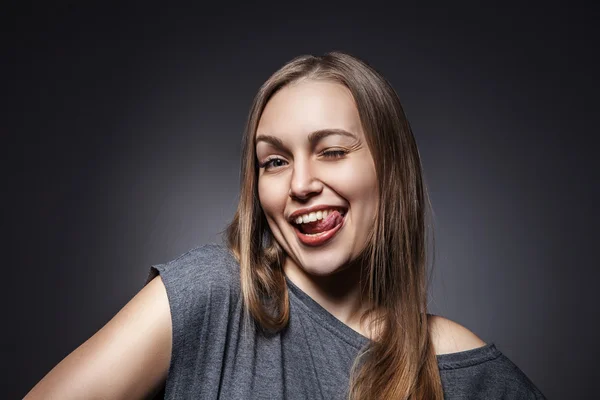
x=322, y=225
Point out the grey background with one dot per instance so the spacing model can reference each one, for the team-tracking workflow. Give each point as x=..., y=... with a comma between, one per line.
x=121, y=136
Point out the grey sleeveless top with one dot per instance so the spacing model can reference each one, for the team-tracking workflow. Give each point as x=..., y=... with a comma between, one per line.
x=215, y=355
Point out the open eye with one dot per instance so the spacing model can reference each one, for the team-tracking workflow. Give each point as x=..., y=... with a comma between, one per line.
x=273, y=162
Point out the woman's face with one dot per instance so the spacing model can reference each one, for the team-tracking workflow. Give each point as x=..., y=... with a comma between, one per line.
x=317, y=182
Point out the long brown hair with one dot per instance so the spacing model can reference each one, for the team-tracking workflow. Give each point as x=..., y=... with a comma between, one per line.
x=401, y=362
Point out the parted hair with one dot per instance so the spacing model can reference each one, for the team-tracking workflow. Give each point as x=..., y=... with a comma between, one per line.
x=399, y=362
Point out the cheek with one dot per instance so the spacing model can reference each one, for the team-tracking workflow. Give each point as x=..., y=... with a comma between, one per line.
x=272, y=196
x=357, y=181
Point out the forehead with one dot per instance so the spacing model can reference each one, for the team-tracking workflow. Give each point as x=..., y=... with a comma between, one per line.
x=307, y=106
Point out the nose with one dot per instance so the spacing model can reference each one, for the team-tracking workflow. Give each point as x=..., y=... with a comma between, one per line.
x=304, y=184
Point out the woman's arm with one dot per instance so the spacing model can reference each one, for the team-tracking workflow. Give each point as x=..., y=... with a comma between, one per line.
x=127, y=359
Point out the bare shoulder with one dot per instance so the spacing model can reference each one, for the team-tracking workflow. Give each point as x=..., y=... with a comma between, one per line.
x=451, y=337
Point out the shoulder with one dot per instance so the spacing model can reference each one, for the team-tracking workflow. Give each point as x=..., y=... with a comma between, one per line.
x=451, y=337
x=202, y=282
x=207, y=274
x=208, y=264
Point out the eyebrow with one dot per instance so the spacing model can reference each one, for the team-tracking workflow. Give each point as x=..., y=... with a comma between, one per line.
x=313, y=137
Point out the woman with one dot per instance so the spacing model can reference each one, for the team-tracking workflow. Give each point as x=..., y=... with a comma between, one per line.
x=321, y=291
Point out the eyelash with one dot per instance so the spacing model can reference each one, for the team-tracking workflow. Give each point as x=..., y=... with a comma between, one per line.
x=330, y=154
x=269, y=163
x=339, y=153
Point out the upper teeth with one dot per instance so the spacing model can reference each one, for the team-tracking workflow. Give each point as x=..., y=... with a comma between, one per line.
x=312, y=217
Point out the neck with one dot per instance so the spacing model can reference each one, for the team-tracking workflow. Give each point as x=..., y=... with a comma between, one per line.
x=340, y=293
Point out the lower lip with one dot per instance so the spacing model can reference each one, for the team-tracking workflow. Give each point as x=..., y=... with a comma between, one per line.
x=320, y=238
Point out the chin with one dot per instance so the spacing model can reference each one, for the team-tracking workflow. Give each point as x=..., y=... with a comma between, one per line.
x=326, y=266
x=324, y=261
x=320, y=261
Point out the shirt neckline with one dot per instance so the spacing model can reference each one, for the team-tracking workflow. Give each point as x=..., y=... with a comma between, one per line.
x=315, y=311
x=446, y=361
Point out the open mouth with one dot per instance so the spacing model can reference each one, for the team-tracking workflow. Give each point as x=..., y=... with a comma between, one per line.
x=316, y=228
